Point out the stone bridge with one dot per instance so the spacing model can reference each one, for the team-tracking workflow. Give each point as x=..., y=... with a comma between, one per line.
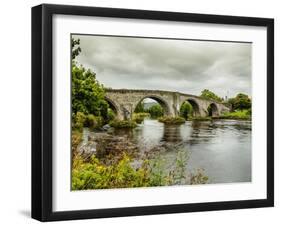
x=124, y=102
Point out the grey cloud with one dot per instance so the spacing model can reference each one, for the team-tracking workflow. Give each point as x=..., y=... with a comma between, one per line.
x=177, y=65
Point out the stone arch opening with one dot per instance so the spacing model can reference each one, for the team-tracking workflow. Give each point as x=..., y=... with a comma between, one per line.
x=195, y=111
x=150, y=101
x=113, y=110
x=213, y=110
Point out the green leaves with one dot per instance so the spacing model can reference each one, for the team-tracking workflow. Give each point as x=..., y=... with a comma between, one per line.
x=75, y=50
x=87, y=93
x=209, y=95
x=156, y=111
x=240, y=102
x=94, y=174
x=186, y=110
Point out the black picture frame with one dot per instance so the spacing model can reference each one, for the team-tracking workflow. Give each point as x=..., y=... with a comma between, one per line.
x=42, y=111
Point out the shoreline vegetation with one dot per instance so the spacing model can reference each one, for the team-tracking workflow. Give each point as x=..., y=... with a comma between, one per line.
x=90, y=109
x=94, y=174
x=171, y=120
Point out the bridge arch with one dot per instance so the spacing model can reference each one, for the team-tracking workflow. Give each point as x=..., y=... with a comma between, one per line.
x=159, y=100
x=112, y=104
x=213, y=110
x=115, y=107
x=195, y=106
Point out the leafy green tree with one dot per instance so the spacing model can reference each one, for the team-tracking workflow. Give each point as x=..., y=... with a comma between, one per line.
x=87, y=93
x=186, y=110
x=156, y=111
x=240, y=102
x=75, y=47
x=207, y=94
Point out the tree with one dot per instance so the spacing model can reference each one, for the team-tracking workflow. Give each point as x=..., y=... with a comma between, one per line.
x=186, y=110
x=140, y=108
x=87, y=93
x=240, y=102
x=207, y=94
x=156, y=111
x=75, y=50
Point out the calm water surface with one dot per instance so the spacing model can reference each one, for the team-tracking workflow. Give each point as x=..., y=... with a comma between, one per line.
x=221, y=147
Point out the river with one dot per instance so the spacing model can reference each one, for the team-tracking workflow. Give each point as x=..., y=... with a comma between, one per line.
x=222, y=148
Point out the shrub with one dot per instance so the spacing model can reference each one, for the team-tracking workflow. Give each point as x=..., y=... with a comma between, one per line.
x=110, y=115
x=156, y=111
x=139, y=117
x=186, y=110
x=123, y=124
x=76, y=138
x=94, y=174
x=172, y=120
x=81, y=120
x=93, y=122
x=78, y=120
x=239, y=114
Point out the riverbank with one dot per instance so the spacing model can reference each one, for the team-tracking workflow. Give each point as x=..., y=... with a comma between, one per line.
x=238, y=115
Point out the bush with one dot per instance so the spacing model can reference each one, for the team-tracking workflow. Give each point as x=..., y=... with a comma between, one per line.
x=172, y=120
x=93, y=122
x=76, y=138
x=96, y=175
x=123, y=124
x=78, y=120
x=81, y=120
x=242, y=115
x=110, y=115
x=186, y=110
x=139, y=117
x=156, y=111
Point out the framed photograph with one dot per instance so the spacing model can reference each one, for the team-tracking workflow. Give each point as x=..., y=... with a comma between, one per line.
x=140, y=112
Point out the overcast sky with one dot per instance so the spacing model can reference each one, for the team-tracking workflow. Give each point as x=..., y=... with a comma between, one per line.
x=176, y=65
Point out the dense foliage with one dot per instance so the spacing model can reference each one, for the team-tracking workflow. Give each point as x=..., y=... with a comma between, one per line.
x=88, y=103
x=186, y=110
x=76, y=49
x=155, y=111
x=94, y=174
x=139, y=117
x=240, y=102
x=207, y=94
x=238, y=114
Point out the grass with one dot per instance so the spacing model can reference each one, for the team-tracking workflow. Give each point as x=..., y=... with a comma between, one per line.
x=171, y=120
x=241, y=114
